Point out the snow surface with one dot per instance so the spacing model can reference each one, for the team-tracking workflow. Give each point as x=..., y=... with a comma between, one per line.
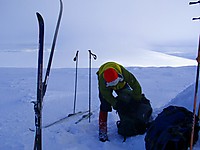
x=162, y=85
x=26, y=58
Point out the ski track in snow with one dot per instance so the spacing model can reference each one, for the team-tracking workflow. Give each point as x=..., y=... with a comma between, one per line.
x=163, y=86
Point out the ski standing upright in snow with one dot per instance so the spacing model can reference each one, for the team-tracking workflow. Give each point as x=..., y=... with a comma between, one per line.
x=42, y=86
x=52, y=49
x=38, y=103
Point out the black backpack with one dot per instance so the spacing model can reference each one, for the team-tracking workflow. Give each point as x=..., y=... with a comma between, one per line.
x=134, y=117
x=171, y=130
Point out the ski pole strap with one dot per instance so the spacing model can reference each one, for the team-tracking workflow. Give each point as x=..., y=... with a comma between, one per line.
x=92, y=54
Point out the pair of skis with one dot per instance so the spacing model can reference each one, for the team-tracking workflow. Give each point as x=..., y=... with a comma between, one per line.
x=82, y=115
x=42, y=86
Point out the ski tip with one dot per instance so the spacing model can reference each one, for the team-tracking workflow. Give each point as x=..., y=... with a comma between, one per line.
x=61, y=7
x=61, y=3
x=40, y=18
x=38, y=14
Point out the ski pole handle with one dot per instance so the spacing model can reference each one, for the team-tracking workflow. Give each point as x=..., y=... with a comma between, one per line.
x=92, y=54
x=198, y=18
x=192, y=3
x=76, y=56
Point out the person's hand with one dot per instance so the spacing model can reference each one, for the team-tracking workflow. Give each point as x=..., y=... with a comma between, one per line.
x=132, y=95
x=121, y=104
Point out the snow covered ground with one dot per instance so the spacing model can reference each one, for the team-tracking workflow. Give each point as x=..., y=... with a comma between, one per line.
x=162, y=85
x=26, y=58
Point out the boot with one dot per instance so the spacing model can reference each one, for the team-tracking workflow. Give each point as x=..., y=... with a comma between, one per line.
x=103, y=126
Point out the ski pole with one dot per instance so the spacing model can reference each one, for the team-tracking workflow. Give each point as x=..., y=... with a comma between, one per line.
x=196, y=89
x=75, y=59
x=90, y=57
x=195, y=100
x=192, y=3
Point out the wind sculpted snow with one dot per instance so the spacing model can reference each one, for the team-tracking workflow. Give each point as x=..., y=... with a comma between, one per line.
x=163, y=86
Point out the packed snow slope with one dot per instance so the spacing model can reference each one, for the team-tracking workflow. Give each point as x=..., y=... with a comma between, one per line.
x=163, y=86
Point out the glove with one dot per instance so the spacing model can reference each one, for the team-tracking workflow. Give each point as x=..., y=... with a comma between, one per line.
x=125, y=103
x=130, y=94
x=121, y=101
x=144, y=100
x=124, y=97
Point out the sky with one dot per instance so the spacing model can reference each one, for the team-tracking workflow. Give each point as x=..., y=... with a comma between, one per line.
x=107, y=27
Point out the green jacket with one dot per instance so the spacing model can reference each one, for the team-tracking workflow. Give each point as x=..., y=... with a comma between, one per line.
x=129, y=78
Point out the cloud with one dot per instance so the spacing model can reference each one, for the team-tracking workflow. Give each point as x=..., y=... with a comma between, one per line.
x=103, y=26
x=114, y=19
